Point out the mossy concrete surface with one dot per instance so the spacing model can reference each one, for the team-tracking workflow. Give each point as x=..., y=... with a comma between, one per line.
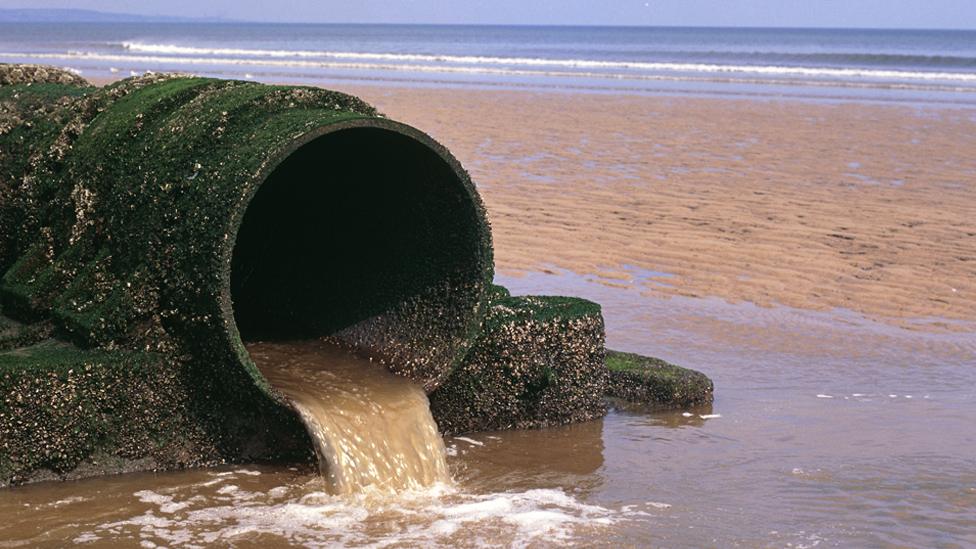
x=62, y=405
x=119, y=220
x=538, y=363
x=67, y=412
x=654, y=382
x=38, y=74
x=15, y=334
x=120, y=211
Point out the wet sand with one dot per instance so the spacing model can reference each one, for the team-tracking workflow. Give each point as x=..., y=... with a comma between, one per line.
x=818, y=206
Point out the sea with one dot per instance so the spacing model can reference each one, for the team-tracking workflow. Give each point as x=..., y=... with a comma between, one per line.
x=928, y=66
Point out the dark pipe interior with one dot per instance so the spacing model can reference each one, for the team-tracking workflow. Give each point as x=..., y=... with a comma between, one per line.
x=347, y=226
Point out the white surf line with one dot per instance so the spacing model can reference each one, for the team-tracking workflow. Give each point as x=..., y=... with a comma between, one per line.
x=567, y=63
x=663, y=67
x=470, y=441
x=928, y=87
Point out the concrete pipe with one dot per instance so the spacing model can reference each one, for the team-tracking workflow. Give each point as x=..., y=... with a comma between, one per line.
x=175, y=217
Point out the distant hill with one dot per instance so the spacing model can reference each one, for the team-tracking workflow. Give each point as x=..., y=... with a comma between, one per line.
x=90, y=16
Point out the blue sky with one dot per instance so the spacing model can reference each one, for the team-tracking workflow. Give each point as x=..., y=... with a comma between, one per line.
x=789, y=13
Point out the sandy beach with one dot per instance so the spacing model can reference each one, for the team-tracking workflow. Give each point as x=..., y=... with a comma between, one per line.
x=811, y=205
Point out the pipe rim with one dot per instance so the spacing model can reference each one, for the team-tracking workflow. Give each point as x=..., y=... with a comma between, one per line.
x=230, y=331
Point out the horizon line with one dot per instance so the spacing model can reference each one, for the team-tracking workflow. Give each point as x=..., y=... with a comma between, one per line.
x=220, y=20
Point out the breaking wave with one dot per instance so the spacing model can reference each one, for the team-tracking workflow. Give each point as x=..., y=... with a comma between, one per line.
x=494, y=64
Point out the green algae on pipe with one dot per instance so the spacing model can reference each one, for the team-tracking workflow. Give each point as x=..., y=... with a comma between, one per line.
x=175, y=215
x=38, y=74
x=190, y=207
x=655, y=383
x=538, y=363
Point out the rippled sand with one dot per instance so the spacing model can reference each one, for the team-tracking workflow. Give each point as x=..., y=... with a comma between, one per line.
x=870, y=208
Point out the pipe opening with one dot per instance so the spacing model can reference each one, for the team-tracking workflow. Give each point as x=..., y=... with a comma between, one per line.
x=347, y=227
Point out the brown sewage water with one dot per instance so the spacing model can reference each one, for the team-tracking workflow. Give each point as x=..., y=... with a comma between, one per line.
x=828, y=430
x=372, y=430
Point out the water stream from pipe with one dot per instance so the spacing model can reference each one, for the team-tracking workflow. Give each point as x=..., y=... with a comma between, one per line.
x=372, y=429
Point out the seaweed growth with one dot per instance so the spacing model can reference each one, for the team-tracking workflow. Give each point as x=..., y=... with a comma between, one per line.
x=152, y=222
x=654, y=382
x=539, y=362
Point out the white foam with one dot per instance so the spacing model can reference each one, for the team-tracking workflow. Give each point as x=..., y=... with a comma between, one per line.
x=164, y=502
x=478, y=510
x=86, y=537
x=414, y=518
x=146, y=520
x=824, y=396
x=68, y=500
x=278, y=492
x=538, y=522
x=687, y=414
x=534, y=513
x=710, y=416
x=444, y=527
x=470, y=441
